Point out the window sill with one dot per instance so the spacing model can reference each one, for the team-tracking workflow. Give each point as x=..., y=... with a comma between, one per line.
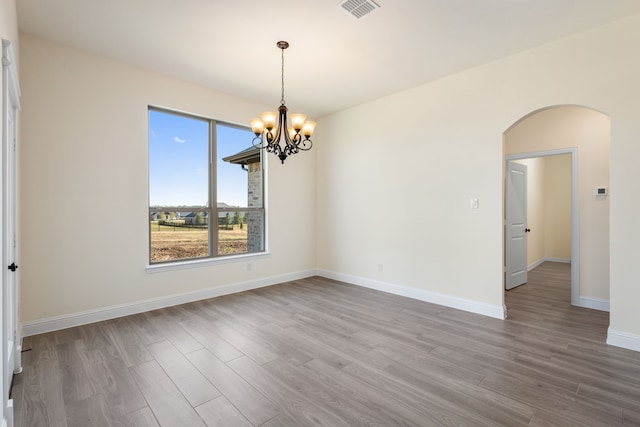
x=196, y=263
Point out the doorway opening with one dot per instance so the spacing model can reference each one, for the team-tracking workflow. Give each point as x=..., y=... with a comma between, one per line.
x=550, y=224
x=581, y=136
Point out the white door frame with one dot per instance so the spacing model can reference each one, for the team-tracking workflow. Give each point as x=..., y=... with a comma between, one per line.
x=10, y=328
x=575, y=236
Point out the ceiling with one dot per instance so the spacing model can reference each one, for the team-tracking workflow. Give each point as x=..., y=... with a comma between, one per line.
x=335, y=60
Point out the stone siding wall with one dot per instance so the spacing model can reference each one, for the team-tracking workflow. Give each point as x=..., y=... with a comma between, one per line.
x=255, y=220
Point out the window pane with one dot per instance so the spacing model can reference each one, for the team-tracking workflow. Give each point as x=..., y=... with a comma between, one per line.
x=178, y=235
x=235, y=155
x=240, y=232
x=178, y=160
x=183, y=217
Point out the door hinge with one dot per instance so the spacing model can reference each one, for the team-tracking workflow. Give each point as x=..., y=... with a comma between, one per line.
x=13, y=266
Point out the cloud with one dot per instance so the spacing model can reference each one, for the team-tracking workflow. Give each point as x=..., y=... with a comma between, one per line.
x=179, y=140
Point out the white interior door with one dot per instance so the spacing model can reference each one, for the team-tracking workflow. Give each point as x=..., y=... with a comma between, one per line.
x=516, y=222
x=11, y=337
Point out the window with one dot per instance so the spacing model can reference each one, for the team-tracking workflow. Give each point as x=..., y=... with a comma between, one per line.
x=205, y=189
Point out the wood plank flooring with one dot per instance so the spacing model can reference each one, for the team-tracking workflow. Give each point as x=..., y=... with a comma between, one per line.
x=317, y=352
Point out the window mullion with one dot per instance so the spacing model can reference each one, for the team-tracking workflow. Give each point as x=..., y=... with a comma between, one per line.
x=213, y=192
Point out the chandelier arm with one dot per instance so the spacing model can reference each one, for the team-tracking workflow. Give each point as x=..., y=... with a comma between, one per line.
x=301, y=143
x=276, y=138
x=273, y=148
x=303, y=146
x=283, y=126
x=260, y=145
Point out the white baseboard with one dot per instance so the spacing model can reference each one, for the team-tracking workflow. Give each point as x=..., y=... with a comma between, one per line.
x=623, y=339
x=593, y=303
x=562, y=260
x=551, y=259
x=9, y=420
x=535, y=264
x=496, y=311
x=55, y=323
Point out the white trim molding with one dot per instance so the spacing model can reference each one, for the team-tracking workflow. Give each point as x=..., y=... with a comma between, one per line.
x=10, y=418
x=623, y=339
x=9, y=64
x=55, y=323
x=545, y=259
x=593, y=303
x=495, y=311
x=535, y=264
x=552, y=259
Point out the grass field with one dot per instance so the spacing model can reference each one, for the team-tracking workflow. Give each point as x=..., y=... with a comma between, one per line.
x=172, y=243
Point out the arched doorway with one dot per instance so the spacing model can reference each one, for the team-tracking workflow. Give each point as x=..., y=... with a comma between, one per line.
x=584, y=134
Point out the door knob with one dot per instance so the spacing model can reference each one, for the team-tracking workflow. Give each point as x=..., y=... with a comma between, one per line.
x=527, y=230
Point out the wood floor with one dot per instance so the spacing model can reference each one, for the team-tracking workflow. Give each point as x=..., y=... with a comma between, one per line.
x=317, y=352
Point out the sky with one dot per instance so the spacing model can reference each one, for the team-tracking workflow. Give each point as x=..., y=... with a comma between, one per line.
x=178, y=166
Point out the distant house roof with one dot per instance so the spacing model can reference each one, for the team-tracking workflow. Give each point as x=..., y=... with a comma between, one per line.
x=193, y=214
x=183, y=215
x=244, y=157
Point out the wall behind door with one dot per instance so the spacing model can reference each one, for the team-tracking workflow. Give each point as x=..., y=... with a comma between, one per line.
x=548, y=208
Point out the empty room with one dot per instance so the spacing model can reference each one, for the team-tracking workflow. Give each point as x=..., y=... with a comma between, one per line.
x=327, y=213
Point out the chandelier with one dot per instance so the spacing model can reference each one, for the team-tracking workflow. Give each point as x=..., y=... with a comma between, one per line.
x=273, y=132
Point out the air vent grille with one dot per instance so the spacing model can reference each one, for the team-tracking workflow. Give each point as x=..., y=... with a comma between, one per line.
x=359, y=8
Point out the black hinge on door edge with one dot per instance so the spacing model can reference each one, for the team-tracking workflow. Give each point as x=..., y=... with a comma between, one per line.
x=13, y=266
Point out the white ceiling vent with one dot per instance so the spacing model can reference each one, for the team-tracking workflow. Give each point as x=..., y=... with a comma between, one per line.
x=359, y=8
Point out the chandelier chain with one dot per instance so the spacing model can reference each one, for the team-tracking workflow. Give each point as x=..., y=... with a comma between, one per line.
x=282, y=77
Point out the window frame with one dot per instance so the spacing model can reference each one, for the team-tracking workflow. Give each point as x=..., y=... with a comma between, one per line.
x=213, y=210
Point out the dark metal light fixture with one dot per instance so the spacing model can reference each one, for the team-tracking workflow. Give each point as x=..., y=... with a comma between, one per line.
x=273, y=132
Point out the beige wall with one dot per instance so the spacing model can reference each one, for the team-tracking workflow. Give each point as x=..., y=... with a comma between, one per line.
x=9, y=25
x=84, y=185
x=436, y=146
x=589, y=131
x=548, y=208
x=557, y=210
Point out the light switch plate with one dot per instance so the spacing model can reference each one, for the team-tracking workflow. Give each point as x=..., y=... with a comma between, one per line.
x=600, y=191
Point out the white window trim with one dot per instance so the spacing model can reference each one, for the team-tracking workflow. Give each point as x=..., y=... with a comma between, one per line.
x=204, y=262
x=208, y=261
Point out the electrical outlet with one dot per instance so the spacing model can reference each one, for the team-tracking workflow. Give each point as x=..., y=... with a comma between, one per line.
x=380, y=268
x=249, y=266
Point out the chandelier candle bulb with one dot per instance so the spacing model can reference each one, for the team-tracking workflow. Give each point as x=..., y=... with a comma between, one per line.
x=297, y=121
x=269, y=119
x=273, y=132
x=307, y=129
x=257, y=126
